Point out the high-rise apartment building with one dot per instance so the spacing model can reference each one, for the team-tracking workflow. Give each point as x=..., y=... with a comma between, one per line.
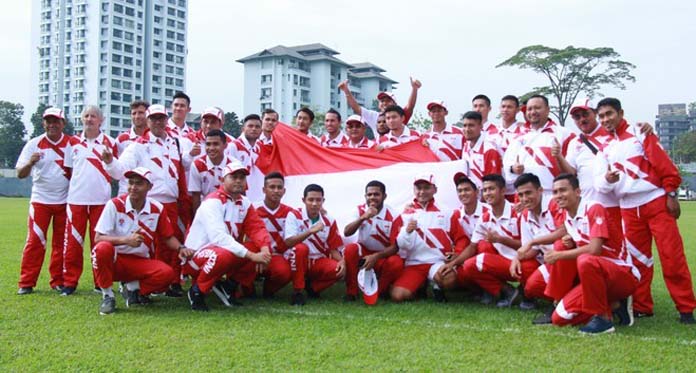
x=108, y=53
x=671, y=121
x=288, y=78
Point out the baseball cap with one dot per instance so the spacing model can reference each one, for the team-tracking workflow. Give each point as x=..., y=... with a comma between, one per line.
x=233, y=167
x=432, y=104
x=582, y=104
x=355, y=118
x=53, y=112
x=458, y=176
x=428, y=178
x=140, y=171
x=367, y=281
x=215, y=112
x=383, y=95
x=155, y=110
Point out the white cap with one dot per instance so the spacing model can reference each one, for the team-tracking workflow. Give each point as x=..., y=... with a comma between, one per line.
x=367, y=281
x=428, y=178
x=383, y=95
x=582, y=104
x=53, y=112
x=155, y=110
x=436, y=103
x=140, y=171
x=215, y=112
x=233, y=167
x=355, y=118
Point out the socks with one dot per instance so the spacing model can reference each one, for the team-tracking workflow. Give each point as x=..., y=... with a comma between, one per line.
x=107, y=292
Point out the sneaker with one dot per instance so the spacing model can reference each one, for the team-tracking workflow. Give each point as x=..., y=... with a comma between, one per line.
x=641, y=314
x=298, y=299
x=67, y=290
x=687, y=318
x=625, y=312
x=544, y=318
x=349, y=298
x=108, y=306
x=134, y=297
x=97, y=289
x=508, y=296
x=25, y=291
x=225, y=291
x=124, y=293
x=598, y=325
x=175, y=291
x=197, y=300
x=57, y=288
x=527, y=304
x=311, y=294
x=439, y=295
x=486, y=299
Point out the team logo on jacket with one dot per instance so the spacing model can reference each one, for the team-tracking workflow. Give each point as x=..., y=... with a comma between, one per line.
x=599, y=220
x=121, y=221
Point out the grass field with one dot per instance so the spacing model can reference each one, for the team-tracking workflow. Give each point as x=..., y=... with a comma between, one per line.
x=46, y=332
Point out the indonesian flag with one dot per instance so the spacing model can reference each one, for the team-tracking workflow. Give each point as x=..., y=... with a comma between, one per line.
x=344, y=172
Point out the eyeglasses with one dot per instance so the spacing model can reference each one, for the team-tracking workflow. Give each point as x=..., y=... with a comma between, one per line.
x=582, y=114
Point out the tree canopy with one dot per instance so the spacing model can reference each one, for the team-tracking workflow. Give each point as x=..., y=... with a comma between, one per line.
x=12, y=133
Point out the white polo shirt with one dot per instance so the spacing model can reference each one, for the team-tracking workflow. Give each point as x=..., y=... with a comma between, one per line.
x=50, y=178
x=90, y=184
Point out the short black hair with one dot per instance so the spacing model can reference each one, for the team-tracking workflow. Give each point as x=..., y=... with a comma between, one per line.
x=268, y=112
x=183, y=95
x=482, y=97
x=572, y=179
x=313, y=188
x=333, y=111
x=498, y=179
x=511, y=98
x=465, y=179
x=394, y=108
x=218, y=133
x=527, y=178
x=251, y=117
x=307, y=111
x=610, y=101
x=475, y=115
x=377, y=183
x=273, y=175
x=546, y=100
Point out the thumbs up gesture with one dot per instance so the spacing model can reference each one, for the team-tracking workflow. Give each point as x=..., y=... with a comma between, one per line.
x=107, y=156
x=555, y=148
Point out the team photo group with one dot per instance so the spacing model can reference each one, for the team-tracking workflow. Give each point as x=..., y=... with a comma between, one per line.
x=548, y=219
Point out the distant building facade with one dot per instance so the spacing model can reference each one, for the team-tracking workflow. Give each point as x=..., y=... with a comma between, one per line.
x=671, y=121
x=288, y=78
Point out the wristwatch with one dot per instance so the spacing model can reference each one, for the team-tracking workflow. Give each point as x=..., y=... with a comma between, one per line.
x=672, y=194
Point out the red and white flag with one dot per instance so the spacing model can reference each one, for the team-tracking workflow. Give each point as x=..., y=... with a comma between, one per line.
x=344, y=172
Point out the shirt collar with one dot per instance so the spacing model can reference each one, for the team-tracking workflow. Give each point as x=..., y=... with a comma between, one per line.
x=145, y=210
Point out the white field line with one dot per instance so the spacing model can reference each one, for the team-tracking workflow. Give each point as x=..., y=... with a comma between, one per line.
x=540, y=330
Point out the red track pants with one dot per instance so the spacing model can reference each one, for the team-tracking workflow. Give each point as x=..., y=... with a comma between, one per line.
x=40, y=216
x=75, y=229
x=387, y=269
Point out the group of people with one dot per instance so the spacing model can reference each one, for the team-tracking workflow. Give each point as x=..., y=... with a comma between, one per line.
x=571, y=218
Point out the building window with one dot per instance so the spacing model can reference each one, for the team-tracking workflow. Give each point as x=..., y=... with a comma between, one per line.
x=268, y=78
x=118, y=8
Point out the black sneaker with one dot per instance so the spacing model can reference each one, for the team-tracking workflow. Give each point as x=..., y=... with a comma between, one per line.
x=297, y=299
x=544, y=318
x=625, y=312
x=25, y=291
x=134, y=298
x=687, y=318
x=67, y=290
x=108, y=306
x=527, y=304
x=598, y=325
x=349, y=298
x=508, y=296
x=225, y=291
x=175, y=291
x=97, y=289
x=487, y=299
x=197, y=300
x=439, y=295
x=311, y=294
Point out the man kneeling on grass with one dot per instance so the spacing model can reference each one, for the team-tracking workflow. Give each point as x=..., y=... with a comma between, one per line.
x=125, y=235
x=224, y=218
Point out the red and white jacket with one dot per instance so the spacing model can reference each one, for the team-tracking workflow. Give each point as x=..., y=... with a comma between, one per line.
x=390, y=140
x=646, y=171
x=242, y=151
x=507, y=225
x=591, y=221
x=468, y=222
x=340, y=141
x=506, y=136
x=49, y=176
x=122, y=141
x=121, y=220
x=547, y=222
x=375, y=233
x=320, y=244
x=490, y=128
x=365, y=143
x=160, y=156
x=533, y=151
x=206, y=177
x=438, y=234
x=224, y=222
x=177, y=132
x=482, y=158
x=275, y=225
x=447, y=145
x=90, y=184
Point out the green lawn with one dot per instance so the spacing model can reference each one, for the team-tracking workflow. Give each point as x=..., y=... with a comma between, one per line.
x=46, y=332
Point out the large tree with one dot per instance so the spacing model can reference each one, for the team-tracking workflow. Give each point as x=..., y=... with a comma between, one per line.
x=232, y=125
x=572, y=71
x=684, y=148
x=37, y=122
x=12, y=132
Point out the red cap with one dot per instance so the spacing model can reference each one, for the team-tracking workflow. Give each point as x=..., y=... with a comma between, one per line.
x=53, y=112
x=458, y=176
x=233, y=167
x=367, y=281
x=155, y=110
x=214, y=112
x=140, y=171
x=432, y=104
x=428, y=178
x=383, y=95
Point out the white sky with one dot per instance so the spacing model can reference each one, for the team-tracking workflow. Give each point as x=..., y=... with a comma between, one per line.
x=451, y=46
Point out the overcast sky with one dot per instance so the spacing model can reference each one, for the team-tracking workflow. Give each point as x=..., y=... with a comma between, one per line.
x=451, y=46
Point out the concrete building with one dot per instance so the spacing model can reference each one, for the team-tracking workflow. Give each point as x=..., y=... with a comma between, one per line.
x=108, y=53
x=288, y=78
x=671, y=121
